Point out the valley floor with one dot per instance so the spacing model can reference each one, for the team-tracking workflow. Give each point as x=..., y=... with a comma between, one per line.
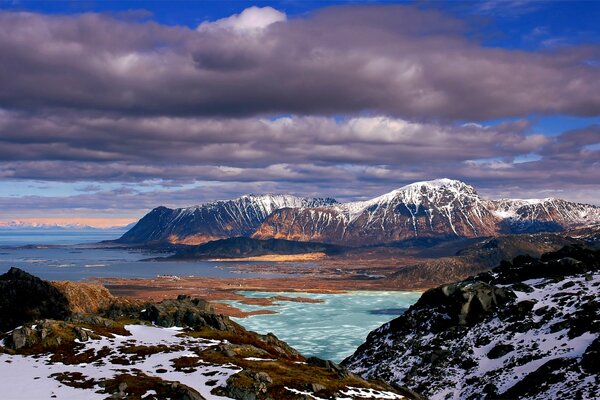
x=327, y=275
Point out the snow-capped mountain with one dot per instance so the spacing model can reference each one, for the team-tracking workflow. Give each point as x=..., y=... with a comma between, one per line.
x=439, y=208
x=442, y=208
x=214, y=220
x=536, y=215
x=16, y=225
x=526, y=330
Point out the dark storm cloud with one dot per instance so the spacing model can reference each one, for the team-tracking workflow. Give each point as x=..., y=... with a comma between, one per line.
x=396, y=60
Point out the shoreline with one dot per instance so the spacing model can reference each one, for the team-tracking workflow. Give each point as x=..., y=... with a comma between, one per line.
x=216, y=290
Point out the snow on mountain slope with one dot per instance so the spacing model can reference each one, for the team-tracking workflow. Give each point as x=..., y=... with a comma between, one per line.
x=214, y=220
x=432, y=209
x=528, y=330
x=438, y=208
x=542, y=214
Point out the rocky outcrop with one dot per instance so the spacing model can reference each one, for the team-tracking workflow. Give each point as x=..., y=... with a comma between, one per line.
x=185, y=311
x=528, y=329
x=46, y=335
x=85, y=297
x=24, y=297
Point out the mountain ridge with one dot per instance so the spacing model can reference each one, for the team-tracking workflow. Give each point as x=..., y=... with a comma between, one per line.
x=429, y=209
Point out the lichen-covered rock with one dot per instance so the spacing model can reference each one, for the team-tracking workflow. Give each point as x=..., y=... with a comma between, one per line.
x=247, y=385
x=185, y=311
x=45, y=335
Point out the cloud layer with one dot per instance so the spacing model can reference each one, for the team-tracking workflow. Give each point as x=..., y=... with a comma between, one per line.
x=393, y=60
x=346, y=101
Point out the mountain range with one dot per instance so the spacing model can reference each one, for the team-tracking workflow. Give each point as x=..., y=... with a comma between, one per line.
x=26, y=225
x=441, y=208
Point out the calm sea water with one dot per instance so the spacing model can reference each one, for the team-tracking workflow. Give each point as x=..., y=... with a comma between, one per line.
x=65, y=259
x=22, y=237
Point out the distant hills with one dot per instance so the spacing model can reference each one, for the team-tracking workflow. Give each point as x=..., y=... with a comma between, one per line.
x=440, y=209
x=29, y=226
x=241, y=247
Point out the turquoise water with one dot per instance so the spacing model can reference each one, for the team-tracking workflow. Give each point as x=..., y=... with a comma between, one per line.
x=330, y=330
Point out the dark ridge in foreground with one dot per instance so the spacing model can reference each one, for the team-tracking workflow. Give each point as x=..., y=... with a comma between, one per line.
x=528, y=329
x=240, y=247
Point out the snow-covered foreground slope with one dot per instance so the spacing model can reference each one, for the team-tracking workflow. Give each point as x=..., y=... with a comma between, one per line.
x=38, y=377
x=150, y=351
x=529, y=330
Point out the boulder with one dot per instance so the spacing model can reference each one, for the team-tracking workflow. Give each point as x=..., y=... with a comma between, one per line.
x=25, y=298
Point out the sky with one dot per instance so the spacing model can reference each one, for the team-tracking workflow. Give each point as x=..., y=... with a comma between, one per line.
x=109, y=109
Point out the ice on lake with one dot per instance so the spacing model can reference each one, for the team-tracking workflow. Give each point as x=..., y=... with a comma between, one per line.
x=332, y=329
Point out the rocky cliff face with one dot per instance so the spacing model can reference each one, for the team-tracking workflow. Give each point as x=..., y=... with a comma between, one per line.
x=528, y=330
x=212, y=221
x=442, y=208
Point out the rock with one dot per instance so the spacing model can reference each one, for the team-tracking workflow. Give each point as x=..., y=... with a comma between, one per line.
x=466, y=302
x=316, y=387
x=25, y=298
x=342, y=372
x=521, y=287
x=500, y=350
x=263, y=377
x=20, y=338
x=247, y=385
x=590, y=361
x=47, y=334
x=122, y=387
x=185, y=311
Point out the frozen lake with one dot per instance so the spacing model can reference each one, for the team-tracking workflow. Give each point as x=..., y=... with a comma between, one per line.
x=332, y=329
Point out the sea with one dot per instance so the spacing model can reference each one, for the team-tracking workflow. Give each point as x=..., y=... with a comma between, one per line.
x=331, y=329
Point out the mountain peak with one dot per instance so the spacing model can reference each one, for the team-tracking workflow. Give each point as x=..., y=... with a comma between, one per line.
x=435, y=183
x=442, y=190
